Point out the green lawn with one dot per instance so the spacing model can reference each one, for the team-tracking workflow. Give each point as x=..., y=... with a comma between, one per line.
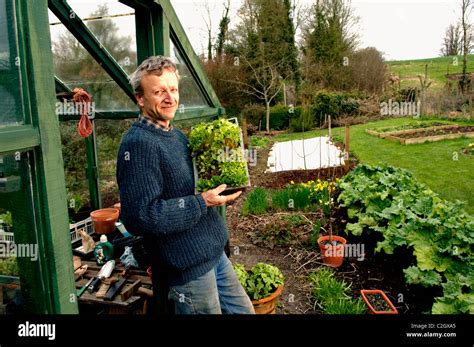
x=431, y=163
x=437, y=69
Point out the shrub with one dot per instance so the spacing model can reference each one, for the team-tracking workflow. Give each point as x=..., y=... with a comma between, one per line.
x=303, y=120
x=280, y=117
x=254, y=114
x=334, y=104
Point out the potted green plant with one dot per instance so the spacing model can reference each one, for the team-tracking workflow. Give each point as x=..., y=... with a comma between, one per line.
x=263, y=284
x=378, y=302
x=219, y=156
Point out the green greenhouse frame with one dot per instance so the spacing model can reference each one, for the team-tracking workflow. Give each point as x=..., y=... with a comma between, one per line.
x=48, y=284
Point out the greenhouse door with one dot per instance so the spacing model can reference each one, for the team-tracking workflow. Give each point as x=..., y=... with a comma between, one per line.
x=36, y=273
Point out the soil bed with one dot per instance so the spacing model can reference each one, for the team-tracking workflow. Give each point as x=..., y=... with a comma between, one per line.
x=437, y=132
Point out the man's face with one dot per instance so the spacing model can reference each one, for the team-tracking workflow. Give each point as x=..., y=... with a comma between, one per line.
x=160, y=98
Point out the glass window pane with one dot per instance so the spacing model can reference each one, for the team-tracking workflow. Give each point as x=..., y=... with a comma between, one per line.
x=75, y=162
x=19, y=265
x=190, y=96
x=76, y=67
x=11, y=106
x=109, y=135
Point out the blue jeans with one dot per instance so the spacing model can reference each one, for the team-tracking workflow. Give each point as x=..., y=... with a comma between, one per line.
x=216, y=292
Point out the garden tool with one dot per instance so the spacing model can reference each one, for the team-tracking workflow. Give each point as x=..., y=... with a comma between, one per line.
x=104, y=273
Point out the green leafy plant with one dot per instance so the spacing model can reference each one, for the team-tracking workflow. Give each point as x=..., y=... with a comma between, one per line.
x=261, y=281
x=75, y=202
x=8, y=266
x=218, y=155
x=7, y=218
x=332, y=295
x=259, y=141
x=390, y=201
x=256, y=202
x=241, y=273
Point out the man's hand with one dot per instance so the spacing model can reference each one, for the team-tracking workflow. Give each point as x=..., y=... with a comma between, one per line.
x=212, y=197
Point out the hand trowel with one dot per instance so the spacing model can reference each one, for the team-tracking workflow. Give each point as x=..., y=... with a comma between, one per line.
x=104, y=273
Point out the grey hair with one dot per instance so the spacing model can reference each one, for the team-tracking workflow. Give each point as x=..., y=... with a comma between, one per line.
x=151, y=66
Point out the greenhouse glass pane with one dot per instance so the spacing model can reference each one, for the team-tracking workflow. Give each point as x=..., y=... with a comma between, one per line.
x=190, y=96
x=78, y=69
x=19, y=258
x=11, y=105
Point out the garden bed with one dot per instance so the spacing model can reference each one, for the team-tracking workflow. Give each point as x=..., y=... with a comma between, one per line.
x=284, y=239
x=429, y=134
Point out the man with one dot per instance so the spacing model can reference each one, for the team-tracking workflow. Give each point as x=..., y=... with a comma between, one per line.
x=183, y=233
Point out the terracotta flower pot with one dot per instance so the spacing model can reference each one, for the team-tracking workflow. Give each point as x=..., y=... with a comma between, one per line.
x=332, y=255
x=378, y=302
x=104, y=220
x=117, y=206
x=267, y=305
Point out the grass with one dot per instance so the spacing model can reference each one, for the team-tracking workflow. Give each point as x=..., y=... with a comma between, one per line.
x=432, y=163
x=331, y=294
x=290, y=198
x=256, y=202
x=437, y=69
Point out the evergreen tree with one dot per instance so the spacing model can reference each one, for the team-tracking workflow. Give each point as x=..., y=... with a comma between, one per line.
x=329, y=42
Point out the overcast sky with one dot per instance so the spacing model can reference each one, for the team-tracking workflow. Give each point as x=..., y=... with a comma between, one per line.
x=401, y=29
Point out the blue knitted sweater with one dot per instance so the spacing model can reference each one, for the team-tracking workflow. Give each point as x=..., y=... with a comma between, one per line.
x=155, y=176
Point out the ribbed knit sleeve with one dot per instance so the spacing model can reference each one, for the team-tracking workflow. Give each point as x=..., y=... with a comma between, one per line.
x=144, y=211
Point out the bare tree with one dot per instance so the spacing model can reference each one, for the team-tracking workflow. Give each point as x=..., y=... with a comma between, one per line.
x=368, y=70
x=266, y=87
x=466, y=7
x=208, y=21
x=301, y=13
x=452, y=43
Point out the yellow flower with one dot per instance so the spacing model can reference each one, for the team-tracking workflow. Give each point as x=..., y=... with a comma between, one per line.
x=291, y=182
x=471, y=145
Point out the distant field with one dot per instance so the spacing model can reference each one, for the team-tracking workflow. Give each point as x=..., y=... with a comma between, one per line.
x=437, y=69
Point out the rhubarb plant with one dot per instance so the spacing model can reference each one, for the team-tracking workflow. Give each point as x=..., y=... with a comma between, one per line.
x=390, y=201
